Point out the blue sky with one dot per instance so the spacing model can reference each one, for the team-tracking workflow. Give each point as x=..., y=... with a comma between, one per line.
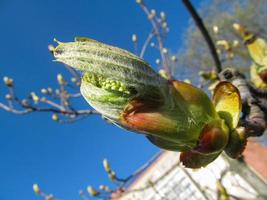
x=63, y=159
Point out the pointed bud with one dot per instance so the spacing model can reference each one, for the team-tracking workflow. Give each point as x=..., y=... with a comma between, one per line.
x=92, y=191
x=55, y=117
x=49, y=90
x=236, y=43
x=60, y=79
x=164, y=74
x=134, y=38
x=215, y=29
x=243, y=32
x=36, y=189
x=225, y=44
x=165, y=51
x=112, y=76
x=163, y=15
x=73, y=79
x=104, y=188
x=8, y=81
x=157, y=61
x=35, y=98
x=174, y=59
x=152, y=14
x=164, y=25
x=44, y=91
x=106, y=165
x=8, y=97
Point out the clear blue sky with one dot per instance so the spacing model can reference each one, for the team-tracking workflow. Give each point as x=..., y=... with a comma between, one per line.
x=66, y=158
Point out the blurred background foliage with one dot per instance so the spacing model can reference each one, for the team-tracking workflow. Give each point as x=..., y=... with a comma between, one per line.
x=219, y=16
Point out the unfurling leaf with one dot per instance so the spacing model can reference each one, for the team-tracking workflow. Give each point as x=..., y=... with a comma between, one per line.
x=227, y=102
x=257, y=48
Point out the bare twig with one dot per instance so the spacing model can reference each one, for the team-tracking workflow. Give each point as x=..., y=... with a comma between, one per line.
x=156, y=28
x=205, y=34
x=146, y=43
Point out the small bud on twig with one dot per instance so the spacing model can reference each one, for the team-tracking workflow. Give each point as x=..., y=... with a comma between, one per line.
x=157, y=61
x=163, y=15
x=152, y=44
x=174, y=59
x=164, y=74
x=36, y=189
x=35, y=98
x=139, y=1
x=55, y=117
x=8, y=97
x=165, y=51
x=73, y=79
x=134, y=38
x=44, y=91
x=50, y=90
x=8, y=81
x=60, y=79
x=152, y=14
x=50, y=197
x=106, y=166
x=104, y=188
x=164, y=25
x=236, y=43
x=92, y=191
x=215, y=29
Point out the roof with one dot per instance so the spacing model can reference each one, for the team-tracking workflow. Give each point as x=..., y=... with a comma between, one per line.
x=255, y=156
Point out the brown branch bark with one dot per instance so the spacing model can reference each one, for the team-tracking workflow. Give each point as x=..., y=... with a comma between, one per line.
x=205, y=33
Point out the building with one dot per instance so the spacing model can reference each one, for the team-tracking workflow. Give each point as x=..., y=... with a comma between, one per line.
x=164, y=178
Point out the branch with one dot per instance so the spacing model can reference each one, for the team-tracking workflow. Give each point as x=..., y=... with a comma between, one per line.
x=156, y=30
x=57, y=102
x=205, y=34
x=146, y=43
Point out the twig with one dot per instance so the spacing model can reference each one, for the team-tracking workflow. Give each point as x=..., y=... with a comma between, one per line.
x=154, y=24
x=205, y=34
x=30, y=109
x=146, y=43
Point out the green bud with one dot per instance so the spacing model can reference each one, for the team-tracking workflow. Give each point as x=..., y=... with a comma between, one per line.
x=101, y=63
x=173, y=115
